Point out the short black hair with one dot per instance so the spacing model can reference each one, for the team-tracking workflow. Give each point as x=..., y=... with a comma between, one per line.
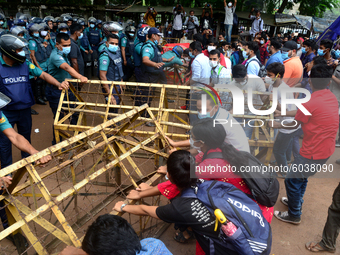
x=276, y=68
x=327, y=43
x=198, y=37
x=320, y=76
x=239, y=71
x=75, y=28
x=186, y=52
x=224, y=43
x=62, y=36
x=212, y=40
x=234, y=46
x=113, y=36
x=179, y=166
x=244, y=43
x=111, y=234
x=319, y=60
x=308, y=43
x=276, y=44
x=254, y=46
x=191, y=11
x=315, y=47
x=215, y=52
x=196, y=46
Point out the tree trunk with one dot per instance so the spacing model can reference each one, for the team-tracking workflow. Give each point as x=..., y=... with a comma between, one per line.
x=283, y=6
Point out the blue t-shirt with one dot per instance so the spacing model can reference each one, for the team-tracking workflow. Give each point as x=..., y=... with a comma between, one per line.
x=4, y=124
x=55, y=61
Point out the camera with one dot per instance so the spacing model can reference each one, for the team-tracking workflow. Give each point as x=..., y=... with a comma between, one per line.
x=208, y=5
x=179, y=6
x=151, y=8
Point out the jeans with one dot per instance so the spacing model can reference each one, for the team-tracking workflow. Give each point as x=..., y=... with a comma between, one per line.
x=247, y=129
x=228, y=29
x=332, y=226
x=296, y=182
x=282, y=148
x=296, y=143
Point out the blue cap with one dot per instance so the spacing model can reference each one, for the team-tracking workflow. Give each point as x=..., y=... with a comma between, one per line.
x=153, y=31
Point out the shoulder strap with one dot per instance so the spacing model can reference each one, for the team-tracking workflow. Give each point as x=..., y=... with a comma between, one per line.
x=219, y=70
x=256, y=61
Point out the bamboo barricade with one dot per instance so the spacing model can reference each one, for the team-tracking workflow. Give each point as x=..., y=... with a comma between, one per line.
x=51, y=205
x=165, y=104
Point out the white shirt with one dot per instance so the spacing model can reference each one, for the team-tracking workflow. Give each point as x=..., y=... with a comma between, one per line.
x=229, y=15
x=235, y=133
x=201, y=69
x=289, y=107
x=253, y=67
x=223, y=77
x=228, y=63
x=299, y=52
x=256, y=26
x=257, y=84
x=177, y=23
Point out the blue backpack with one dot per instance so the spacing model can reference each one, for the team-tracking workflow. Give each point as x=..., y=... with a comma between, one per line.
x=253, y=235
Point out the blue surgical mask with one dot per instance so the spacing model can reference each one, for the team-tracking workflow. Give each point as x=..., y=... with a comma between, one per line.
x=204, y=116
x=169, y=33
x=81, y=36
x=65, y=32
x=156, y=42
x=244, y=54
x=22, y=53
x=92, y=25
x=262, y=42
x=36, y=34
x=284, y=56
x=304, y=50
x=321, y=52
x=113, y=48
x=66, y=50
x=1, y=22
x=191, y=55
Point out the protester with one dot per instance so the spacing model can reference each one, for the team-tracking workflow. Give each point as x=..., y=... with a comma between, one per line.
x=150, y=16
x=212, y=44
x=207, y=18
x=273, y=48
x=257, y=22
x=263, y=43
x=179, y=14
x=252, y=64
x=219, y=74
x=325, y=51
x=200, y=66
x=75, y=56
x=293, y=65
x=318, y=144
x=192, y=24
x=229, y=19
x=299, y=46
x=175, y=55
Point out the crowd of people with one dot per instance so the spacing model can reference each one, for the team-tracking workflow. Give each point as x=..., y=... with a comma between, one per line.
x=37, y=55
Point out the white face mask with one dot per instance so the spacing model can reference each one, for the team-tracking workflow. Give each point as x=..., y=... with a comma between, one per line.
x=213, y=64
x=210, y=48
x=262, y=42
x=43, y=33
x=192, y=144
x=268, y=80
x=230, y=4
x=187, y=59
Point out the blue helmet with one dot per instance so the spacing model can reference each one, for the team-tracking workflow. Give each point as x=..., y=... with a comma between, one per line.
x=20, y=22
x=142, y=33
x=37, y=20
x=99, y=21
x=178, y=50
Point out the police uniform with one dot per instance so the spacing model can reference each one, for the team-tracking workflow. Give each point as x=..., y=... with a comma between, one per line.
x=112, y=63
x=140, y=77
x=124, y=41
x=102, y=46
x=75, y=53
x=176, y=60
x=14, y=83
x=53, y=93
x=94, y=37
x=85, y=45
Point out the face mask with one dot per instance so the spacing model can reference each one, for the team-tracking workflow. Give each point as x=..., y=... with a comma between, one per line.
x=304, y=50
x=262, y=42
x=156, y=42
x=1, y=22
x=113, y=48
x=242, y=83
x=268, y=80
x=321, y=52
x=244, y=54
x=191, y=16
x=204, y=116
x=337, y=54
x=192, y=144
x=210, y=48
x=187, y=59
x=36, y=34
x=221, y=40
x=298, y=45
x=65, y=32
x=268, y=49
x=66, y=50
x=81, y=36
x=169, y=33
x=213, y=64
x=230, y=4
x=132, y=35
x=284, y=56
x=22, y=53
x=43, y=33
x=191, y=55
x=92, y=25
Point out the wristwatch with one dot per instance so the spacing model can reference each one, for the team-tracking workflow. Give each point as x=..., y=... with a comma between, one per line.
x=123, y=205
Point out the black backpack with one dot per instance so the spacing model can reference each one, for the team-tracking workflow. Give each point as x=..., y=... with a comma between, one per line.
x=264, y=186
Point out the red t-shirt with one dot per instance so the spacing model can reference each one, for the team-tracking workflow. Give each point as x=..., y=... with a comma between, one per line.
x=321, y=127
x=223, y=63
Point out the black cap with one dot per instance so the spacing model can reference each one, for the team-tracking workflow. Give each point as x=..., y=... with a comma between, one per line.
x=290, y=45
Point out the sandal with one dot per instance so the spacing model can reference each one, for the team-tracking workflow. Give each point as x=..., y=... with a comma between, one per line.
x=316, y=247
x=179, y=236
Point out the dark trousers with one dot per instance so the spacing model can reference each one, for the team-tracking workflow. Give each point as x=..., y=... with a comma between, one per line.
x=95, y=56
x=190, y=34
x=23, y=120
x=128, y=69
x=332, y=226
x=88, y=64
x=177, y=34
x=296, y=182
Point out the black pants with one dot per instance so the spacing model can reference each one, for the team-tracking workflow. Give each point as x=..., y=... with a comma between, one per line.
x=177, y=33
x=332, y=226
x=88, y=64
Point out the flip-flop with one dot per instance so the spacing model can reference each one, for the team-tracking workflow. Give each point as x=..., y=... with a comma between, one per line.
x=315, y=247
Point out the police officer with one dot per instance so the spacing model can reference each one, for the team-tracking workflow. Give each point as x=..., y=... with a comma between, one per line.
x=21, y=32
x=59, y=67
x=111, y=68
x=75, y=57
x=95, y=37
x=109, y=28
x=86, y=50
x=63, y=28
x=39, y=56
x=14, y=83
x=49, y=20
x=126, y=44
x=99, y=24
x=175, y=55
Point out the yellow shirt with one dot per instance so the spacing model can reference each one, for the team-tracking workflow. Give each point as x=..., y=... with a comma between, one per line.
x=150, y=20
